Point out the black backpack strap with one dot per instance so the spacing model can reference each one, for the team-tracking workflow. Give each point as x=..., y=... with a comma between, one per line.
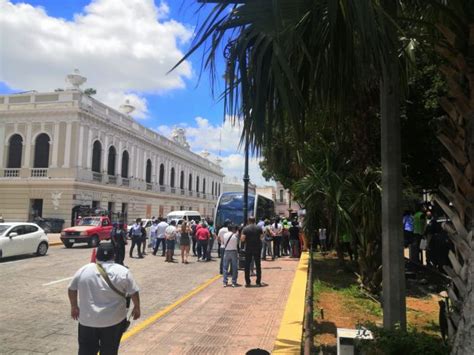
x=103, y=273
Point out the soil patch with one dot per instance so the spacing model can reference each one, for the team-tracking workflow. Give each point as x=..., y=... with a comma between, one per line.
x=339, y=303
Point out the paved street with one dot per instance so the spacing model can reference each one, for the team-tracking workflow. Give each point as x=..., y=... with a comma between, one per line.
x=34, y=311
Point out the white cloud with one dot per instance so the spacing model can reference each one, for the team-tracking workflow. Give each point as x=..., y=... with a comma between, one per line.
x=221, y=141
x=124, y=47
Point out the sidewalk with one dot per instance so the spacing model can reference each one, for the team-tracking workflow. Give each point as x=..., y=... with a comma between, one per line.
x=222, y=320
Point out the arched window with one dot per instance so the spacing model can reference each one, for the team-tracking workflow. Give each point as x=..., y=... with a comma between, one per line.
x=281, y=195
x=41, y=151
x=219, y=190
x=212, y=190
x=111, y=161
x=197, y=184
x=203, y=186
x=125, y=159
x=15, y=150
x=148, y=171
x=181, y=180
x=162, y=175
x=172, y=177
x=96, y=153
x=190, y=182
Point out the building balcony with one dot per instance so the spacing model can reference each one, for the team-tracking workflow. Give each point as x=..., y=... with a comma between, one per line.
x=96, y=176
x=11, y=173
x=112, y=179
x=39, y=172
x=149, y=186
x=173, y=190
x=125, y=182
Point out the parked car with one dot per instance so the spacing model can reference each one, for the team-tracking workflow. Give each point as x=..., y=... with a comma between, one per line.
x=90, y=230
x=22, y=238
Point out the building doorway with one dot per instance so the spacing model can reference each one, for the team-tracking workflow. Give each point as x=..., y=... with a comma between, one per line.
x=36, y=209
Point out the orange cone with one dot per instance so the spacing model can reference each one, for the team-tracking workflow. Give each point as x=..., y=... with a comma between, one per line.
x=93, y=256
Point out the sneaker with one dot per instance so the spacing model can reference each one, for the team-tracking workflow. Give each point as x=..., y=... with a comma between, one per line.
x=225, y=285
x=234, y=285
x=247, y=285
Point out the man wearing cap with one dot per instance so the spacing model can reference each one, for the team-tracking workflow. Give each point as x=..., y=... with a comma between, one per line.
x=102, y=310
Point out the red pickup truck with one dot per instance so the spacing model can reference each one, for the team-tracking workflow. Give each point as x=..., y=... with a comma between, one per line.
x=90, y=230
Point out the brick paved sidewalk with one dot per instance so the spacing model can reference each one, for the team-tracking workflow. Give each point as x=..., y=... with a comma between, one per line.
x=222, y=320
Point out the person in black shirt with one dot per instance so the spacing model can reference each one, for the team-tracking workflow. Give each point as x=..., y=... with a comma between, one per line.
x=119, y=240
x=251, y=236
x=295, y=240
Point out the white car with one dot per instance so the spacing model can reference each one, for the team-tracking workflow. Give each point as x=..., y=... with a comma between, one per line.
x=22, y=238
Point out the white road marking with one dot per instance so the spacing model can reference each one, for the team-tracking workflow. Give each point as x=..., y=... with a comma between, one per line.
x=57, y=281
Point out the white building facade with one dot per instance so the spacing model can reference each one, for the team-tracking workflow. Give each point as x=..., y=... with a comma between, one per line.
x=64, y=149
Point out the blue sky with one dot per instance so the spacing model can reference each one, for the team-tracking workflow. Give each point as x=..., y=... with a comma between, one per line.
x=124, y=48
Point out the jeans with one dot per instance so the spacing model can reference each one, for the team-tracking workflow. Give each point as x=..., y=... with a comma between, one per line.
x=106, y=340
x=230, y=257
x=276, y=246
x=295, y=248
x=221, y=264
x=202, y=249
x=266, y=248
x=138, y=242
x=157, y=245
x=170, y=243
x=255, y=255
x=209, y=248
x=194, y=245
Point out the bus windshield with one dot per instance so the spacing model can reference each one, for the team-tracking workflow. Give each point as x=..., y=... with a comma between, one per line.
x=231, y=207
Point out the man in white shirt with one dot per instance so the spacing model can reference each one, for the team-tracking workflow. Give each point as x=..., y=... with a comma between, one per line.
x=220, y=239
x=230, y=242
x=170, y=236
x=160, y=236
x=101, y=310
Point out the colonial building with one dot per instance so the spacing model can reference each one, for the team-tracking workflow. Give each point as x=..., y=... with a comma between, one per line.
x=63, y=149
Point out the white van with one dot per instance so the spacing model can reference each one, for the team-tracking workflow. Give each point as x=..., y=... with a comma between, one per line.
x=180, y=216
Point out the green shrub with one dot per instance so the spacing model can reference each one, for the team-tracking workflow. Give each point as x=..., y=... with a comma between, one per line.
x=397, y=341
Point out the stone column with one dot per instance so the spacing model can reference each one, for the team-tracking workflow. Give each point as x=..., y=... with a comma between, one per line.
x=27, y=145
x=105, y=155
x=89, y=148
x=67, y=150
x=80, y=146
x=136, y=163
x=2, y=146
x=119, y=158
x=54, y=162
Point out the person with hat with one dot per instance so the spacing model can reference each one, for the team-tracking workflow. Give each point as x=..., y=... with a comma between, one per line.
x=98, y=296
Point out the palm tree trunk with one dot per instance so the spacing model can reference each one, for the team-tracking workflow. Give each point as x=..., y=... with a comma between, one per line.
x=393, y=281
x=457, y=135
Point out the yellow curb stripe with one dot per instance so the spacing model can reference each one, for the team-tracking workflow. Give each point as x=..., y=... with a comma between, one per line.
x=53, y=244
x=288, y=340
x=150, y=320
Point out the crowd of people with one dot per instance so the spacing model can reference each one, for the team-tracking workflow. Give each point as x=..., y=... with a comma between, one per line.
x=101, y=293
x=422, y=231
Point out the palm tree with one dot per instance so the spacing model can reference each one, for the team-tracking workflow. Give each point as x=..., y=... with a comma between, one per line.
x=288, y=58
x=457, y=135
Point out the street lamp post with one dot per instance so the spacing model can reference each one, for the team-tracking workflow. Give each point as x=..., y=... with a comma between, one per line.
x=246, y=180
